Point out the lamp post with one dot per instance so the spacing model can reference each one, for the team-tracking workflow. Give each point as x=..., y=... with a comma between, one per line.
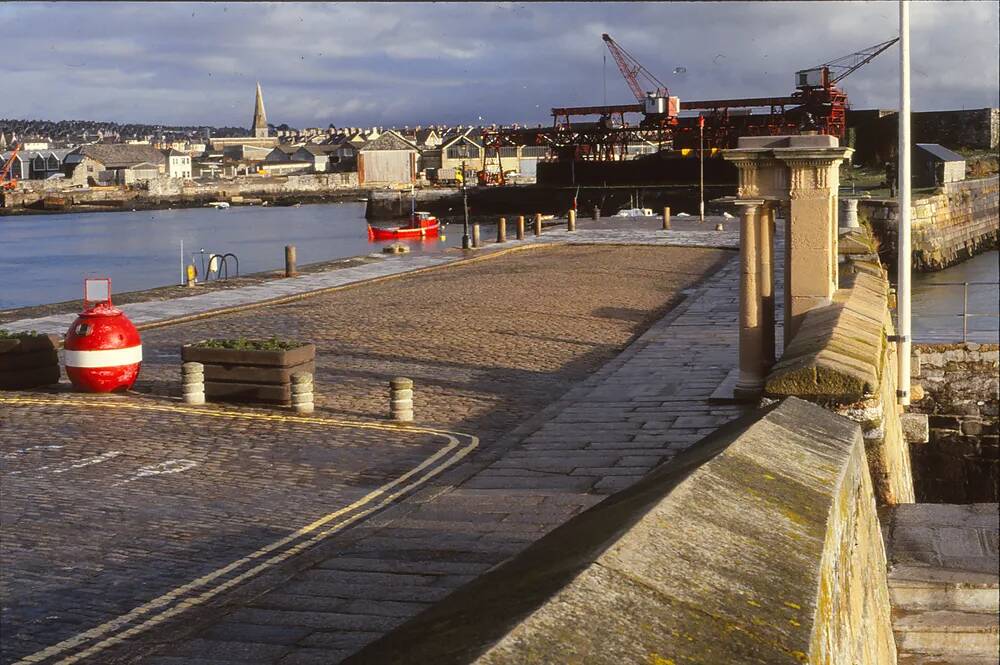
x=903, y=242
x=701, y=169
x=463, y=152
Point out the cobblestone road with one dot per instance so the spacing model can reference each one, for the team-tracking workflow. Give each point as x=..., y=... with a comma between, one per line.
x=105, y=508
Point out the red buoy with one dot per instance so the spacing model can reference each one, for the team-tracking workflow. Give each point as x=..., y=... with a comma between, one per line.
x=103, y=350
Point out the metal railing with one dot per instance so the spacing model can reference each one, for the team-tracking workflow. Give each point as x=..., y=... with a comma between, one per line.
x=966, y=314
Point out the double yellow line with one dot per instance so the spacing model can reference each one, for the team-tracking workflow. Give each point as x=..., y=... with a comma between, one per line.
x=206, y=587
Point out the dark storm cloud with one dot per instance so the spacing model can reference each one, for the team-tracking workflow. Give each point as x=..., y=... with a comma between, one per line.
x=383, y=64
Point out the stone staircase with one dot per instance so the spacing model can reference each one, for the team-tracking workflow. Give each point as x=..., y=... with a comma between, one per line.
x=943, y=583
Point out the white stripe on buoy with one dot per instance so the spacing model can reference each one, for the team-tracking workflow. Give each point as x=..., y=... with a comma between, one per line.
x=104, y=357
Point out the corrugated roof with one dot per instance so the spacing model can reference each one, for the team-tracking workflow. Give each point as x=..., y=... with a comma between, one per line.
x=941, y=152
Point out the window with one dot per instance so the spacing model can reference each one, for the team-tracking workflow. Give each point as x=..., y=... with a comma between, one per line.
x=453, y=152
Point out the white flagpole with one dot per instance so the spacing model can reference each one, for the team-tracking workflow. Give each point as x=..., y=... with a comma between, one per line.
x=903, y=259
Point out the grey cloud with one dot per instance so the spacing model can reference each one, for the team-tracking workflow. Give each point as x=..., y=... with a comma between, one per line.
x=399, y=63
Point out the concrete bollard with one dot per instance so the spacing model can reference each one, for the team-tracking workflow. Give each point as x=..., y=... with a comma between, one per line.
x=666, y=218
x=538, y=223
x=719, y=227
x=520, y=227
x=193, y=383
x=597, y=213
x=401, y=399
x=475, y=236
x=571, y=220
x=302, y=392
x=290, y=261
x=502, y=230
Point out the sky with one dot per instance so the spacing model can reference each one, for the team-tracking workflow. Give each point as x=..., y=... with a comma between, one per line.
x=394, y=64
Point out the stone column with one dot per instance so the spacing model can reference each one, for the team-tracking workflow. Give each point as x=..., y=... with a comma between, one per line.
x=751, y=366
x=811, y=272
x=765, y=224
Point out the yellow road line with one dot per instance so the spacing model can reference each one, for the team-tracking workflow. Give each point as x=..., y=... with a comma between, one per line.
x=378, y=498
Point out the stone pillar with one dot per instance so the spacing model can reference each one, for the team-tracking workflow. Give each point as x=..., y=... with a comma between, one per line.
x=811, y=272
x=475, y=236
x=520, y=227
x=538, y=223
x=765, y=235
x=571, y=220
x=751, y=365
x=849, y=213
x=666, y=218
x=502, y=230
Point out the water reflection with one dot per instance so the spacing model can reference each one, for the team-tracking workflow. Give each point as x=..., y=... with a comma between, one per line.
x=938, y=302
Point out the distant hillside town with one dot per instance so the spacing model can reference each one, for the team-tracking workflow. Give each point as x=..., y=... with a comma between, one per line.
x=46, y=156
x=82, y=154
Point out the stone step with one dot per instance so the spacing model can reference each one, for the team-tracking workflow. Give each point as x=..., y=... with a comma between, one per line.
x=947, y=633
x=913, y=588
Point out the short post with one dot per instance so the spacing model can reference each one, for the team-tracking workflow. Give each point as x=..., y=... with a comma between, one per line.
x=302, y=392
x=719, y=227
x=290, y=261
x=475, y=235
x=849, y=213
x=401, y=399
x=192, y=276
x=571, y=220
x=597, y=213
x=538, y=223
x=193, y=383
x=502, y=230
x=666, y=218
x=520, y=227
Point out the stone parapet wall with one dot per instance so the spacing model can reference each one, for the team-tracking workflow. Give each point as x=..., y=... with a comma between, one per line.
x=960, y=222
x=960, y=463
x=759, y=544
x=840, y=358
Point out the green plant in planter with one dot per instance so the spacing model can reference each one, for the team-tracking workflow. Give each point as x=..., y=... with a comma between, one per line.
x=244, y=344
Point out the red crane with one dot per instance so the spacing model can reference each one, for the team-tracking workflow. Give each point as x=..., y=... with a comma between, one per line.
x=5, y=170
x=631, y=69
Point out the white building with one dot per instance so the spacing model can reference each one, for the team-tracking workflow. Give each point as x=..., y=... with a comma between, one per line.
x=178, y=164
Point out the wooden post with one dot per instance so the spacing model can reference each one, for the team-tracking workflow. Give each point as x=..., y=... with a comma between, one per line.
x=538, y=223
x=520, y=227
x=571, y=220
x=502, y=230
x=666, y=218
x=193, y=383
x=290, y=261
x=475, y=235
x=401, y=399
x=302, y=392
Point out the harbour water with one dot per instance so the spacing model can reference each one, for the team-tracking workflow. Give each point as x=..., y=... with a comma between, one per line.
x=44, y=258
x=938, y=302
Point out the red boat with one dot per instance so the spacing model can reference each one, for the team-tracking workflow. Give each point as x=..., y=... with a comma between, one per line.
x=422, y=225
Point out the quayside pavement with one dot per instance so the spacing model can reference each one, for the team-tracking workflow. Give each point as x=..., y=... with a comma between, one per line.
x=159, y=553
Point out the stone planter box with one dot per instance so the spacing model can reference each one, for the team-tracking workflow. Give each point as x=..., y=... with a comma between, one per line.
x=233, y=375
x=29, y=362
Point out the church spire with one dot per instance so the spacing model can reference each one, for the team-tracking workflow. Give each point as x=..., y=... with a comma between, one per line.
x=259, y=117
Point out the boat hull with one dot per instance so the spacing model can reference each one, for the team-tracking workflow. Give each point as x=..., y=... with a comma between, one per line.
x=402, y=232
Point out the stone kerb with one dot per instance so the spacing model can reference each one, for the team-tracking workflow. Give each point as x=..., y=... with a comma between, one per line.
x=760, y=544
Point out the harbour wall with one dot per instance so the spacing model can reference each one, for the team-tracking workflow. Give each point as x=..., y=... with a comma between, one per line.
x=960, y=462
x=488, y=203
x=959, y=222
x=165, y=192
x=759, y=544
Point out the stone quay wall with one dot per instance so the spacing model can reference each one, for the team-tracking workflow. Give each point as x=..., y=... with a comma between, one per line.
x=947, y=228
x=960, y=463
x=841, y=359
x=175, y=190
x=759, y=544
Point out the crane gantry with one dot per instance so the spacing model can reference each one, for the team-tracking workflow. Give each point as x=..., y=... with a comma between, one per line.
x=817, y=104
